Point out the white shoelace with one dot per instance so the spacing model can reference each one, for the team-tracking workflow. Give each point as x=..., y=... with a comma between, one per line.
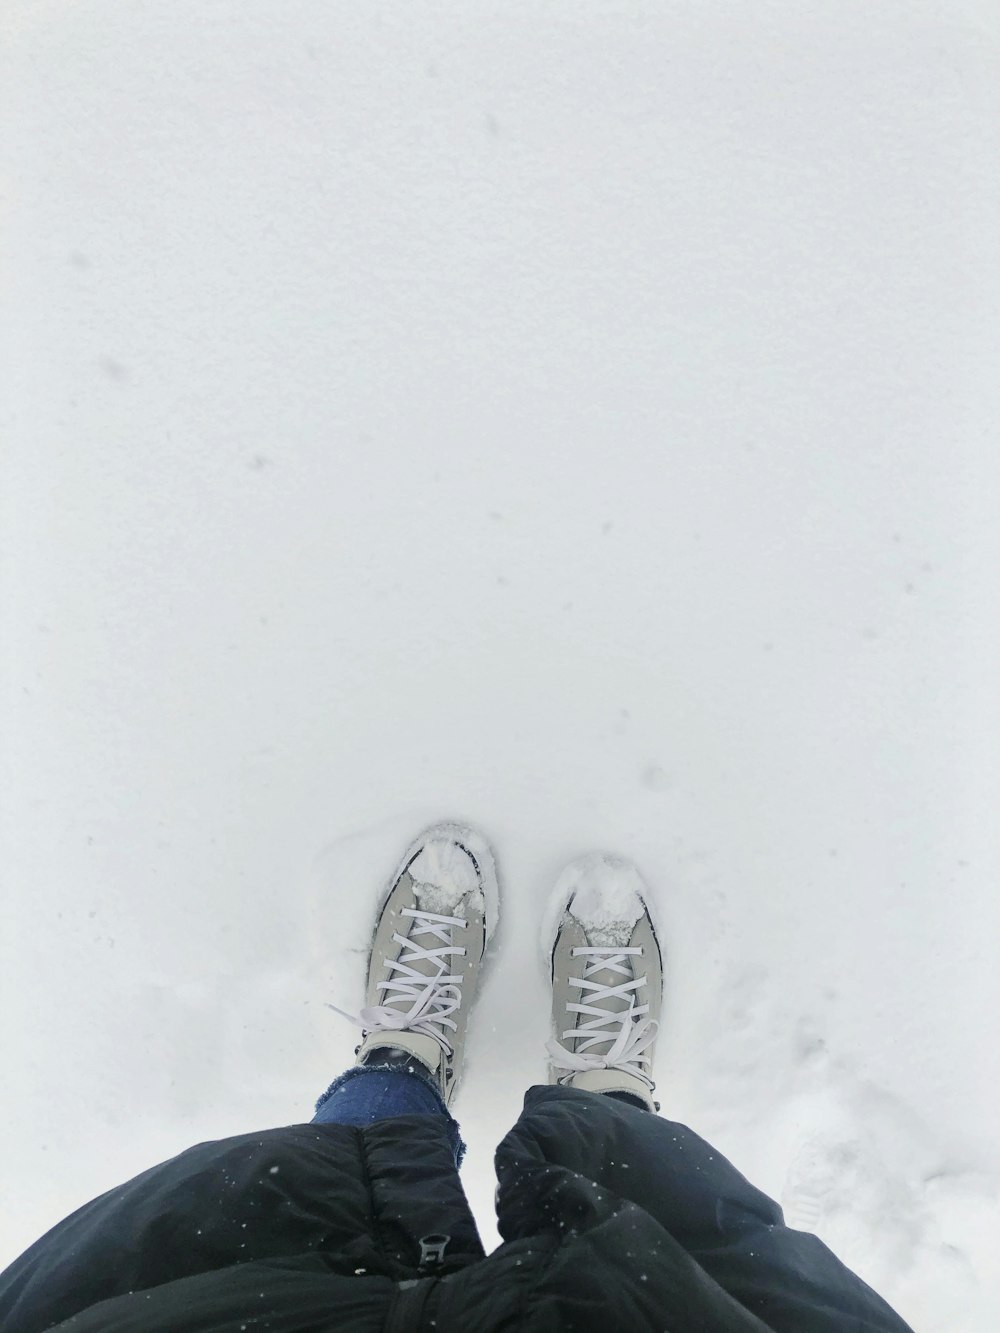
x=433, y=997
x=633, y=1034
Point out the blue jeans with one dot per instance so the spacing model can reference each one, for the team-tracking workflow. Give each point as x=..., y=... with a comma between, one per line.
x=366, y=1093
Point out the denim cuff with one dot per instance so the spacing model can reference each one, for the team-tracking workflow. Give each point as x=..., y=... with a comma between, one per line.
x=427, y=1084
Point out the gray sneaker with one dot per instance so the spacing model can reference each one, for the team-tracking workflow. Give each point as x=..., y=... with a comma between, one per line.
x=607, y=979
x=435, y=922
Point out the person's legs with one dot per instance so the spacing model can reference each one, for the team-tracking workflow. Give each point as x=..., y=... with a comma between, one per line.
x=430, y=938
x=588, y=1156
x=297, y=1191
x=606, y=999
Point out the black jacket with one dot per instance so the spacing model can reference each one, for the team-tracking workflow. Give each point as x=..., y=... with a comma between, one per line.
x=612, y=1219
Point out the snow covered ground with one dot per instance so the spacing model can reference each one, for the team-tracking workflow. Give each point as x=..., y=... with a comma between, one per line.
x=575, y=419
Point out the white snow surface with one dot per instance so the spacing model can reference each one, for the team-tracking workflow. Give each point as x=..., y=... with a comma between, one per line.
x=580, y=420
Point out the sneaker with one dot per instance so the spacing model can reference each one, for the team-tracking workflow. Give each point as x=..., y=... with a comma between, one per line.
x=437, y=918
x=607, y=979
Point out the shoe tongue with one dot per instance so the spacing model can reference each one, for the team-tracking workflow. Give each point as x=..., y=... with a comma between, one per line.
x=441, y=899
x=608, y=913
x=612, y=1004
